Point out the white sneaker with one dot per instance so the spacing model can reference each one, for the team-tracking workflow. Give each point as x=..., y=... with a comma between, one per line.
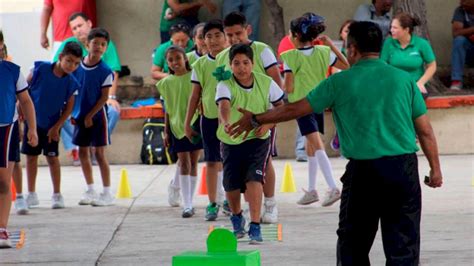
x=58, y=201
x=308, y=197
x=332, y=196
x=21, y=206
x=32, y=200
x=270, y=213
x=174, y=197
x=5, y=240
x=105, y=199
x=88, y=197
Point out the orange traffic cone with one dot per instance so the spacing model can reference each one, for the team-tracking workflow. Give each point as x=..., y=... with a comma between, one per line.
x=13, y=189
x=203, y=186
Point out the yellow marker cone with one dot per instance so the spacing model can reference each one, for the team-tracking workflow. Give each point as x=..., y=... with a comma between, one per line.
x=124, y=191
x=288, y=184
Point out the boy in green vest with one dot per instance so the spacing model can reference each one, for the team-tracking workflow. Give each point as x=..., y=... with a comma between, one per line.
x=204, y=91
x=237, y=31
x=246, y=157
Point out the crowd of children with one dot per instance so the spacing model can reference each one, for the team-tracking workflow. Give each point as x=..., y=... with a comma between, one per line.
x=201, y=90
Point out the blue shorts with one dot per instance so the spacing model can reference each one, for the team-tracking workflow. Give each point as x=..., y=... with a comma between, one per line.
x=96, y=136
x=48, y=148
x=210, y=142
x=244, y=163
x=184, y=145
x=9, y=144
x=311, y=123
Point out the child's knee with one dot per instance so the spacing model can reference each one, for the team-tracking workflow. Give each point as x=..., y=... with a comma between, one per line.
x=4, y=186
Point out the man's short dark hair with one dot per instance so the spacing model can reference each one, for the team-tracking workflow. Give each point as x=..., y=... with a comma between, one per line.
x=1, y=36
x=235, y=18
x=72, y=48
x=366, y=36
x=213, y=24
x=78, y=14
x=98, y=33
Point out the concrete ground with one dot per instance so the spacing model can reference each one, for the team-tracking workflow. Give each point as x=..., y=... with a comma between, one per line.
x=145, y=231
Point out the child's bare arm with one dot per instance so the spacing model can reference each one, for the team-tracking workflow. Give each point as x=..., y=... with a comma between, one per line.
x=29, y=110
x=98, y=105
x=53, y=133
x=192, y=107
x=288, y=83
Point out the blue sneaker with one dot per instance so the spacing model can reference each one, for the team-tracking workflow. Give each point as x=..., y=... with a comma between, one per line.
x=238, y=223
x=226, y=208
x=254, y=234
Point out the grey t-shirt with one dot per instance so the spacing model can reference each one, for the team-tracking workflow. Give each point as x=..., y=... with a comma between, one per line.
x=460, y=15
x=366, y=12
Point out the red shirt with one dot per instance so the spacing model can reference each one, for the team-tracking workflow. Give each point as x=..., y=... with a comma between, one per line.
x=62, y=9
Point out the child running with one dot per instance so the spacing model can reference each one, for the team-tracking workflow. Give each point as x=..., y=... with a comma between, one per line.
x=204, y=91
x=245, y=157
x=237, y=31
x=52, y=89
x=13, y=87
x=90, y=118
x=305, y=67
x=175, y=90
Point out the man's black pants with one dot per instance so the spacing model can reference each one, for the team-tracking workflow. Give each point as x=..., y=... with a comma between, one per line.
x=385, y=189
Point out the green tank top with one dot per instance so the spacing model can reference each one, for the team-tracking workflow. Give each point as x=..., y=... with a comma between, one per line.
x=204, y=67
x=176, y=91
x=255, y=100
x=308, y=71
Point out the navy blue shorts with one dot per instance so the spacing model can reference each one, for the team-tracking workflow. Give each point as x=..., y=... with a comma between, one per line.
x=184, y=145
x=96, y=136
x=9, y=144
x=273, y=147
x=48, y=148
x=244, y=163
x=311, y=123
x=210, y=142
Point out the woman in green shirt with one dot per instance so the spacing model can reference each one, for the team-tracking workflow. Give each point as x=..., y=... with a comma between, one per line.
x=409, y=52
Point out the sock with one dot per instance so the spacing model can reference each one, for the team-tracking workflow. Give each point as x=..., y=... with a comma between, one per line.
x=56, y=194
x=254, y=223
x=90, y=187
x=175, y=181
x=3, y=229
x=106, y=190
x=193, y=186
x=312, y=172
x=220, y=183
x=185, y=183
x=269, y=199
x=326, y=168
x=19, y=195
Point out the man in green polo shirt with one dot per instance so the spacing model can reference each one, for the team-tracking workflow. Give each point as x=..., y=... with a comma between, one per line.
x=378, y=111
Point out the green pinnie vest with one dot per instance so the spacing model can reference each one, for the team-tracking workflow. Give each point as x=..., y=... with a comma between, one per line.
x=255, y=100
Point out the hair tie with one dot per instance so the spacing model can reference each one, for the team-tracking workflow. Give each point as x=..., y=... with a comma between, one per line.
x=222, y=74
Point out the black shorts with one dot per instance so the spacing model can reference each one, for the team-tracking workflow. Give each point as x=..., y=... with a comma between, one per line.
x=210, y=142
x=311, y=123
x=183, y=144
x=9, y=144
x=244, y=163
x=48, y=148
x=96, y=136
